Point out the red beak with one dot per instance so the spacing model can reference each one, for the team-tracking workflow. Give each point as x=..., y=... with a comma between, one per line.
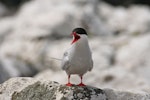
x=76, y=37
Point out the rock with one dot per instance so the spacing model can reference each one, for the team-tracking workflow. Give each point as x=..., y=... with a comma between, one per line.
x=122, y=20
x=29, y=88
x=124, y=95
x=39, y=92
x=48, y=22
x=92, y=22
x=135, y=56
x=32, y=89
x=135, y=52
x=12, y=85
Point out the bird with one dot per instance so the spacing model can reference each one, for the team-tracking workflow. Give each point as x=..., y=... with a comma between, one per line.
x=78, y=58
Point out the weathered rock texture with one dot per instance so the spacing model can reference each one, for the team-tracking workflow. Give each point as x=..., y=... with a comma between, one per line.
x=32, y=89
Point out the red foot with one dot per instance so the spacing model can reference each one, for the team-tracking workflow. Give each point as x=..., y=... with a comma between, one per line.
x=68, y=84
x=81, y=84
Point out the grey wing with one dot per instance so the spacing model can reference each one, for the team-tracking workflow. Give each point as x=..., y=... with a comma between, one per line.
x=91, y=65
x=65, y=61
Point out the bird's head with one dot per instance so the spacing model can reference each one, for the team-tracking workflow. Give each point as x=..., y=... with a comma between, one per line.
x=77, y=33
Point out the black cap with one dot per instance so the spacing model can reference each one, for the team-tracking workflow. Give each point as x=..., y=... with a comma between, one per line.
x=80, y=31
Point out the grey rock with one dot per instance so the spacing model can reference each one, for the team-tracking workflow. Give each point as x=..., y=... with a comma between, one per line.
x=135, y=56
x=123, y=95
x=32, y=89
x=122, y=20
x=38, y=91
x=137, y=50
x=12, y=85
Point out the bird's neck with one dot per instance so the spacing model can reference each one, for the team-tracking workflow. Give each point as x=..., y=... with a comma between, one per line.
x=82, y=42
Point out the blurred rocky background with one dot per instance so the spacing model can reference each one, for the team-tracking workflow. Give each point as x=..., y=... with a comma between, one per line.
x=34, y=31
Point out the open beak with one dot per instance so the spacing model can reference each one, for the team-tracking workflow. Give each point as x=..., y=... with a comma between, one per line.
x=75, y=37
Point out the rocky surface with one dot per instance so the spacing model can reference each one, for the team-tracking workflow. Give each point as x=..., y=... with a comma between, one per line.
x=30, y=89
x=33, y=89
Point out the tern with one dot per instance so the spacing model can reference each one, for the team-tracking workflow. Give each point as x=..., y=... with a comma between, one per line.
x=78, y=58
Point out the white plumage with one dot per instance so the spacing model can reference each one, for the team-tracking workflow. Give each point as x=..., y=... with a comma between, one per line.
x=78, y=58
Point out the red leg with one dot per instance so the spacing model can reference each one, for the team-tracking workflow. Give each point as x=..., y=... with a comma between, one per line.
x=68, y=84
x=81, y=84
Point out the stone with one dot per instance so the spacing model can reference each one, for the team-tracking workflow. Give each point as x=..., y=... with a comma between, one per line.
x=135, y=56
x=22, y=88
x=121, y=20
x=12, y=85
x=29, y=88
x=124, y=95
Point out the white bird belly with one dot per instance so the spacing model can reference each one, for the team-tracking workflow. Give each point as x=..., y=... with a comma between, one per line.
x=78, y=66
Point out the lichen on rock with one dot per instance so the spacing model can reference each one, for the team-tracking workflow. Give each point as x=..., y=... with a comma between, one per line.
x=23, y=88
x=47, y=90
x=81, y=93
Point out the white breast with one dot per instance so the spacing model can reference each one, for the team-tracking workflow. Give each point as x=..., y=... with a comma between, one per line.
x=79, y=56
